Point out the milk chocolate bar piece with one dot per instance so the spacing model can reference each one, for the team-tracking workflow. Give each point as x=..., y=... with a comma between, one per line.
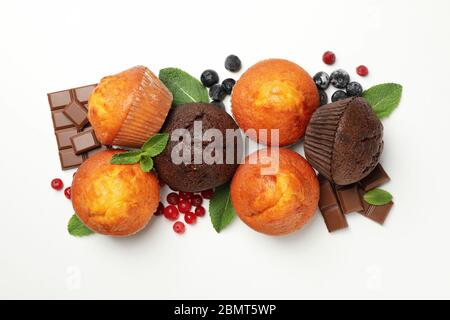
x=63, y=137
x=349, y=198
x=84, y=141
x=60, y=120
x=69, y=159
x=76, y=112
x=329, y=206
x=375, y=213
x=377, y=178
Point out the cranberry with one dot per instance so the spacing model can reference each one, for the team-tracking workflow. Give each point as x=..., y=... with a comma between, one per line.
x=190, y=218
x=160, y=210
x=200, y=211
x=329, y=58
x=186, y=195
x=57, y=184
x=363, y=71
x=173, y=198
x=208, y=194
x=179, y=227
x=197, y=201
x=68, y=193
x=171, y=213
x=184, y=206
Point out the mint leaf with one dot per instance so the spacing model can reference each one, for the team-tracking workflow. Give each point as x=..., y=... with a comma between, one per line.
x=184, y=87
x=221, y=209
x=156, y=144
x=378, y=197
x=130, y=157
x=77, y=229
x=146, y=164
x=384, y=98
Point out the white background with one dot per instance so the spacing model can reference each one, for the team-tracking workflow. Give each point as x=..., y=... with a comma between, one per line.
x=47, y=46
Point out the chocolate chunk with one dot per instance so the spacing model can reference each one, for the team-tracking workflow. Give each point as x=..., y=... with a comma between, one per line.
x=63, y=137
x=375, y=213
x=60, y=120
x=84, y=142
x=329, y=206
x=69, y=159
x=77, y=114
x=349, y=198
x=377, y=178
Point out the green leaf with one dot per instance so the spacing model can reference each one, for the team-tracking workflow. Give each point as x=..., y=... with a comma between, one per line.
x=130, y=157
x=146, y=164
x=77, y=229
x=384, y=98
x=378, y=197
x=221, y=209
x=184, y=87
x=156, y=144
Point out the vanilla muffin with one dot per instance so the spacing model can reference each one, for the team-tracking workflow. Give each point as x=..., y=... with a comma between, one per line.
x=275, y=94
x=115, y=200
x=277, y=201
x=128, y=108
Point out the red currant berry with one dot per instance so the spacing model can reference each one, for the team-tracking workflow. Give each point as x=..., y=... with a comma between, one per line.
x=190, y=218
x=197, y=201
x=57, y=184
x=208, y=194
x=186, y=195
x=363, y=71
x=200, y=211
x=68, y=193
x=179, y=227
x=329, y=58
x=184, y=206
x=173, y=198
x=171, y=213
x=160, y=210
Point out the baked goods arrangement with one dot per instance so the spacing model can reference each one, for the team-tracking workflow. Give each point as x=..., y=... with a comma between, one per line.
x=135, y=136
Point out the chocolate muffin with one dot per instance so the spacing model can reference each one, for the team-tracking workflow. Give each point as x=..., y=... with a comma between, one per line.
x=194, y=163
x=344, y=140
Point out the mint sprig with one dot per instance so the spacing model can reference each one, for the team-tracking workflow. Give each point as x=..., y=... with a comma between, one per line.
x=378, y=197
x=184, y=87
x=221, y=209
x=77, y=228
x=151, y=148
x=384, y=98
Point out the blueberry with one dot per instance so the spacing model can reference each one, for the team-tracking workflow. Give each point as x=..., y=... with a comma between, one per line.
x=339, y=95
x=209, y=78
x=220, y=104
x=322, y=80
x=340, y=79
x=323, y=97
x=354, y=89
x=228, y=85
x=233, y=63
x=217, y=93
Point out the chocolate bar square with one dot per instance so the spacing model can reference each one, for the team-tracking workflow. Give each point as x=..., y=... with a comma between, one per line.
x=349, y=198
x=84, y=141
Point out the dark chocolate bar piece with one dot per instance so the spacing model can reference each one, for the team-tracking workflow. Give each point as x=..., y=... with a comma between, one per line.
x=84, y=141
x=375, y=213
x=374, y=180
x=349, y=198
x=69, y=159
x=329, y=206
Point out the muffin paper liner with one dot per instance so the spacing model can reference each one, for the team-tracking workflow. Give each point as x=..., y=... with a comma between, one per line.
x=320, y=137
x=147, y=113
